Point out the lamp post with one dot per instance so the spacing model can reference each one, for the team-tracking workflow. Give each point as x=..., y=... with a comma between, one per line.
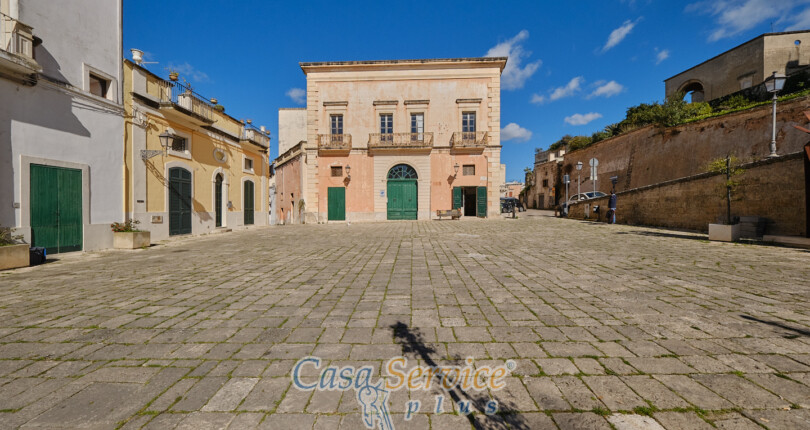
x=348, y=172
x=455, y=171
x=579, y=167
x=774, y=84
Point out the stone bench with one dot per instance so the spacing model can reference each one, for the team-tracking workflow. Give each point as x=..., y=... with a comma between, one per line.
x=452, y=213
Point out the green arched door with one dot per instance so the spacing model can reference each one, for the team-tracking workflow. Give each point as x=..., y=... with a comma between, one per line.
x=218, y=200
x=402, y=192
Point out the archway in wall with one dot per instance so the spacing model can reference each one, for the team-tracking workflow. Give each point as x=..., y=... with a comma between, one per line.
x=694, y=90
x=402, y=192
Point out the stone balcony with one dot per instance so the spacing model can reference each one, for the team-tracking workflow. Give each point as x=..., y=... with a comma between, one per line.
x=334, y=142
x=469, y=139
x=400, y=140
x=17, y=51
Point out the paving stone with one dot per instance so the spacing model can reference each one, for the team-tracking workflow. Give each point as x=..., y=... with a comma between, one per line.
x=681, y=421
x=230, y=395
x=693, y=392
x=633, y=422
x=741, y=392
x=613, y=392
x=578, y=421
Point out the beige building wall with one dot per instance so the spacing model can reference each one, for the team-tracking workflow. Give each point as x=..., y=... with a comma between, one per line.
x=439, y=89
x=292, y=127
x=745, y=65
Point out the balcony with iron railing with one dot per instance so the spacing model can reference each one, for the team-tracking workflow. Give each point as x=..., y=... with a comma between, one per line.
x=180, y=98
x=334, y=142
x=17, y=47
x=400, y=140
x=469, y=139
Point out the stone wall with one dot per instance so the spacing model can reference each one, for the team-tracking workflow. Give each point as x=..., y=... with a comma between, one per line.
x=652, y=155
x=773, y=189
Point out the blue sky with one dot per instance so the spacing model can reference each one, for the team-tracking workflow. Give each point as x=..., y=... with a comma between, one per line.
x=574, y=66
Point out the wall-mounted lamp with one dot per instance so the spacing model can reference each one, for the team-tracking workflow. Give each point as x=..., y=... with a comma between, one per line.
x=455, y=170
x=166, y=140
x=348, y=172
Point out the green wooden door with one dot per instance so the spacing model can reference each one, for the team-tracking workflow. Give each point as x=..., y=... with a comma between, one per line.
x=336, y=200
x=179, y=201
x=56, y=208
x=481, y=200
x=218, y=200
x=456, y=197
x=402, y=199
x=249, y=206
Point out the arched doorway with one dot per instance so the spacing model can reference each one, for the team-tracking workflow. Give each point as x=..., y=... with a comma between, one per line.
x=695, y=90
x=218, y=199
x=402, y=192
x=179, y=201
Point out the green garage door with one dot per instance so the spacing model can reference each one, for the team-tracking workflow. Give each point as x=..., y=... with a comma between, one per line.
x=402, y=192
x=249, y=203
x=179, y=201
x=56, y=208
x=336, y=200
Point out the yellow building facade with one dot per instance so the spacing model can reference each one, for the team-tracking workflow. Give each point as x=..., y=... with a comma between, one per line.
x=189, y=167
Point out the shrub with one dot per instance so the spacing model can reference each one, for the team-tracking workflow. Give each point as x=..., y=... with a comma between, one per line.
x=125, y=227
x=6, y=238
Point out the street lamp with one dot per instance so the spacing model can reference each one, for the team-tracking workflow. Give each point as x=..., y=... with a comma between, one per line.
x=455, y=170
x=348, y=171
x=774, y=84
x=166, y=139
x=579, y=167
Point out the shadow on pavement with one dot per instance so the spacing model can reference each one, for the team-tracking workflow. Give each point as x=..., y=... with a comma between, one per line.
x=411, y=341
x=800, y=331
x=662, y=234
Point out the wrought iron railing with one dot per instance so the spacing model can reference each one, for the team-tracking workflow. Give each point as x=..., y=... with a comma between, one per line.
x=182, y=95
x=334, y=141
x=469, y=139
x=400, y=140
x=256, y=135
x=16, y=37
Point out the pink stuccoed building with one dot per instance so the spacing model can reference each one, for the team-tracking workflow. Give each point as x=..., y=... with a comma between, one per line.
x=393, y=140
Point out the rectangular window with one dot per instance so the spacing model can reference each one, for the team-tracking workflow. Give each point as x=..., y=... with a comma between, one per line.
x=386, y=127
x=248, y=164
x=179, y=144
x=337, y=124
x=545, y=183
x=469, y=169
x=337, y=170
x=417, y=126
x=468, y=122
x=99, y=86
x=746, y=82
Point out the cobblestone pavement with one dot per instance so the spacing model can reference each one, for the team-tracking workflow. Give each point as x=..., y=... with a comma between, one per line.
x=610, y=326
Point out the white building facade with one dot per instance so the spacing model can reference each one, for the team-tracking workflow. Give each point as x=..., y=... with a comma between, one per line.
x=61, y=122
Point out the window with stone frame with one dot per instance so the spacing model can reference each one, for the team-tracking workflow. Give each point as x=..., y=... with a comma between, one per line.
x=337, y=171
x=469, y=170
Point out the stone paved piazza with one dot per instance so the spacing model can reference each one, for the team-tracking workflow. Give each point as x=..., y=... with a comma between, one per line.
x=608, y=325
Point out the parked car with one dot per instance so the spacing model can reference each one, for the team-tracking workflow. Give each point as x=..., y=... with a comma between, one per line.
x=586, y=196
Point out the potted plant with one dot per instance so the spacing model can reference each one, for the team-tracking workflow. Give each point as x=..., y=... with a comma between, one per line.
x=730, y=230
x=173, y=75
x=127, y=236
x=13, y=252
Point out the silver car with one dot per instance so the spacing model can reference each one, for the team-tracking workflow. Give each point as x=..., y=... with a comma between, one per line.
x=586, y=196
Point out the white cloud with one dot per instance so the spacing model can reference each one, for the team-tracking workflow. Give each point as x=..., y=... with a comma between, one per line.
x=513, y=131
x=607, y=89
x=580, y=119
x=733, y=17
x=297, y=95
x=186, y=70
x=661, y=55
x=617, y=35
x=513, y=76
x=573, y=86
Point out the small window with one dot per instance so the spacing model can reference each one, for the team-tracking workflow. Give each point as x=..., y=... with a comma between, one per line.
x=179, y=144
x=336, y=124
x=468, y=122
x=386, y=123
x=249, y=164
x=337, y=171
x=469, y=169
x=545, y=183
x=746, y=82
x=99, y=86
